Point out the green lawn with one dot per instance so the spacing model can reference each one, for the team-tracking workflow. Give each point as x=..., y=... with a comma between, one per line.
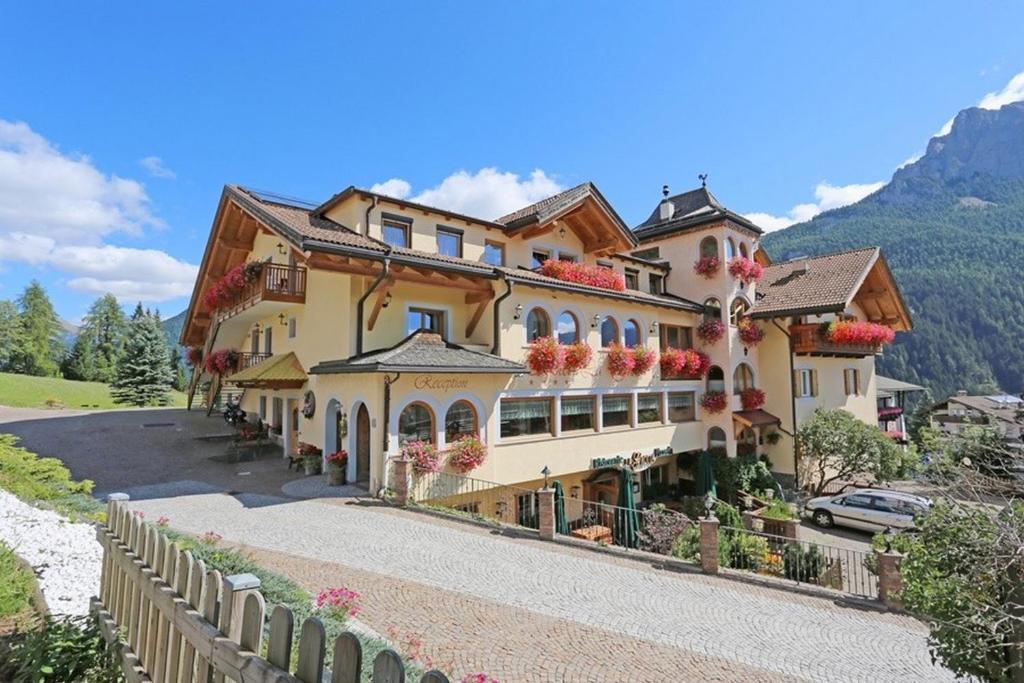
x=25, y=391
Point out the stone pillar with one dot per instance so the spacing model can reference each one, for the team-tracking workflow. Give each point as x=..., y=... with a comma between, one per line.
x=546, y=513
x=890, y=581
x=235, y=589
x=400, y=469
x=709, y=545
x=790, y=527
x=748, y=520
x=286, y=428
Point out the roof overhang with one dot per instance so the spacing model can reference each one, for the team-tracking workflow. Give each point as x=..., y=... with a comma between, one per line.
x=675, y=305
x=353, y=191
x=755, y=418
x=341, y=368
x=590, y=217
x=688, y=223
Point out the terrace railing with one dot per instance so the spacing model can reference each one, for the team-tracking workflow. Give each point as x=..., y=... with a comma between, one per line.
x=476, y=497
x=275, y=282
x=811, y=340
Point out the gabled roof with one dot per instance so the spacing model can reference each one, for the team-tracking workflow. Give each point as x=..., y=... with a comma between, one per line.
x=422, y=351
x=691, y=210
x=281, y=371
x=352, y=190
x=890, y=384
x=531, y=277
x=558, y=204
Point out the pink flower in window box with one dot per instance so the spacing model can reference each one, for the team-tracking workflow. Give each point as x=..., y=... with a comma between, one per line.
x=643, y=359
x=707, y=266
x=575, y=357
x=620, y=361
x=714, y=401
x=752, y=399
x=424, y=456
x=584, y=274
x=751, y=333
x=545, y=356
x=467, y=454
x=710, y=331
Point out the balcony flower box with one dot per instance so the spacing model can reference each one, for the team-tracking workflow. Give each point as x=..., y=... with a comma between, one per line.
x=423, y=455
x=680, y=364
x=858, y=333
x=752, y=399
x=714, y=401
x=466, y=454
x=710, y=331
x=751, y=333
x=643, y=359
x=222, y=362
x=224, y=291
x=584, y=274
x=194, y=356
x=545, y=356
x=889, y=413
x=575, y=357
x=707, y=266
x=745, y=269
x=620, y=361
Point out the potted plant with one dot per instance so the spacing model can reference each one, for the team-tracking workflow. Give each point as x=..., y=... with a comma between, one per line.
x=545, y=356
x=707, y=266
x=745, y=269
x=620, y=360
x=311, y=458
x=337, y=468
x=751, y=333
x=575, y=357
x=424, y=456
x=711, y=330
x=466, y=454
x=643, y=359
x=752, y=398
x=714, y=401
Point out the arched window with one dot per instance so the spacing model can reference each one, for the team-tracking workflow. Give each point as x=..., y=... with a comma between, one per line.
x=743, y=249
x=537, y=324
x=708, y=247
x=713, y=309
x=716, y=379
x=460, y=421
x=631, y=333
x=746, y=442
x=737, y=310
x=716, y=438
x=416, y=423
x=609, y=332
x=742, y=378
x=568, y=329
x=730, y=249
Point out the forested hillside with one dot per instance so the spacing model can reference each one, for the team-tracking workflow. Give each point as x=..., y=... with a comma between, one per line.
x=952, y=227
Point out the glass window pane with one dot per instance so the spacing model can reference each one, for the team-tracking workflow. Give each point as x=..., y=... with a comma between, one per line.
x=680, y=407
x=494, y=254
x=415, y=424
x=449, y=243
x=460, y=421
x=577, y=413
x=538, y=257
x=537, y=325
x=609, y=332
x=567, y=329
x=632, y=279
x=395, y=235
x=648, y=408
x=522, y=417
x=709, y=247
x=632, y=333
x=730, y=249
x=615, y=411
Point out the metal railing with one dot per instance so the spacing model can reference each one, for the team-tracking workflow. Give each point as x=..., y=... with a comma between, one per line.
x=843, y=569
x=476, y=498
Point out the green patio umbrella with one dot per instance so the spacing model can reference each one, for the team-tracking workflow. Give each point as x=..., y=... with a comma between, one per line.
x=626, y=523
x=561, y=522
x=706, y=475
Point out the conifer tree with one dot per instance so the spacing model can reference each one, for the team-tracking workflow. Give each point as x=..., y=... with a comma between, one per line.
x=40, y=349
x=81, y=362
x=10, y=334
x=105, y=325
x=144, y=373
x=180, y=382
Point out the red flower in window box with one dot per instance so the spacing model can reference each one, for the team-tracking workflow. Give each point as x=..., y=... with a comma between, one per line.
x=859, y=333
x=688, y=364
x=751, y=334
x=424, y=456
x=584, y=274
x=194, y=356
x=575, y=357
x=714, y=401
x=643, y=359
x=221, y=361
x=697, y=363
x=467, y=454
x=752, y=399
x=711, y=331
x=707, y=266
x=745, y=269
x=620, y=361
x=225, y=290
x=545, y=356
x=672, y=362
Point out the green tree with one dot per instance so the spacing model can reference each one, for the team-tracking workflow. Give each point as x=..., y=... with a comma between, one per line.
x=81, y=362
x=920, y=417
x=180, y=382
x=106, y=326
x=10, y=334
x=40, y=350
x=836, y=446
x=144, y=373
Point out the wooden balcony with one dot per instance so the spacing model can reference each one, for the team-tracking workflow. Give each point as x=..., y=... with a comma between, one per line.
x=276, y=282
x=810, y=340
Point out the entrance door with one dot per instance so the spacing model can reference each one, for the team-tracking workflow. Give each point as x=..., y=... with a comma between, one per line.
x=362, y=444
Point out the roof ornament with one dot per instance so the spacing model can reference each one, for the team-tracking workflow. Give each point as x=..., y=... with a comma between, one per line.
x=664, y=190
x=703, y=177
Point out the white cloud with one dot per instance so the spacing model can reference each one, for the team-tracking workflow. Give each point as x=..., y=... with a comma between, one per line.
x=1013, y=92
x=57, y=209
x=829, y=196
x=156, y=168
x=488, y=193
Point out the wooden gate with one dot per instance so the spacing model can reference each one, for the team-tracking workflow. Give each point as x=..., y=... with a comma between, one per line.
x=172, y=621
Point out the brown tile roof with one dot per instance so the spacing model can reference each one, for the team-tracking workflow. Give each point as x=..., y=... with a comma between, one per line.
x=422, y=351
x=548, y=205
x=530, y=277
x=692, y=209
x=829, y=283
x=282, y=368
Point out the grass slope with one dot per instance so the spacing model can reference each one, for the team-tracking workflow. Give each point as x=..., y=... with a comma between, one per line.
x=17, y=589
x=25, y=391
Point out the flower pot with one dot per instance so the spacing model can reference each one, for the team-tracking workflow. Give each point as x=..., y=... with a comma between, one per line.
x=312, y=466
x=337, y=476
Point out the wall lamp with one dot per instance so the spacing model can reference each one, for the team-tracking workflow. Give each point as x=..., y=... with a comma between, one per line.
x=597, y=321
x=280, y=318
x=387, y=300
x=519, y=312
x=281, y=250
x=654, y=327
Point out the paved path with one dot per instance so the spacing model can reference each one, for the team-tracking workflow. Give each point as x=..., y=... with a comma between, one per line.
x=714, y=625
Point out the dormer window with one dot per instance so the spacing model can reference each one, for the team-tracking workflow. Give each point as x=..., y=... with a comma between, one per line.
x=632, y=278
x=657, y=283
x=539, y=256
x=396, y=234
x=449, y=242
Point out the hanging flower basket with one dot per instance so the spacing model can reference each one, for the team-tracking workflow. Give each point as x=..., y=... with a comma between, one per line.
x=221, y=361
x=672, y=362
x=714, y=401
x=620, y=361
x=225, y=291
x=710, y=331
x=584, y=274
x=467, y=454
x=575, y=357
x=680, y=364
x=697, y=363
x=751, y=333
x=707, y=266
x=745, y=269
x=859, y=333
x=751, y=399
x=194, y=356
x=545, y=356
x=424, y=456
x=643, y=359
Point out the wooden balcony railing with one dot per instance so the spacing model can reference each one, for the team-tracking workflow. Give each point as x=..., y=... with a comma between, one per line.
x=276, y=282
x=811, y=340
x=247, y=360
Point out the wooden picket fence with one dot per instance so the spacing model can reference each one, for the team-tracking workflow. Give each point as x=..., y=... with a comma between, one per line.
x=169, y=620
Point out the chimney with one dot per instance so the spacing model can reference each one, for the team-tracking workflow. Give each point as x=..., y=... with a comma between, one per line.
x=666, y=209
x=799, y=265
x=961, y=392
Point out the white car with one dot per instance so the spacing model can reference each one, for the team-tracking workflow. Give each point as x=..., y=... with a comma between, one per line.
x=867, y=509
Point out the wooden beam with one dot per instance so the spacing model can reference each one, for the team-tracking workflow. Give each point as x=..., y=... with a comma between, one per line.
x=872, y=294
x=238, y=245
x=538, y=230
x=382, y=294
x=602, y=245
x=477, y=314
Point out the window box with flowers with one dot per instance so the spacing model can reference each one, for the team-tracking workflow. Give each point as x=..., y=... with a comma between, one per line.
x=714, y=401
x=225, y=291
x=584, y=274
x=711, y=330
x=222, y=362
x=423, y=455
x=194, y=356
x=680, y=364
x=745, y=269
x=467, y=454
x=751, y=333
x=707, y=266
x=620, y=360
x=643, y=359
x=337, y=468
x=858, y=333
x=311, y=458
x=545, y=356
x=576, y=357
x=752, y=399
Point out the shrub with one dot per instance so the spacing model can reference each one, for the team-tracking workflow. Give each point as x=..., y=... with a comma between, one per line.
x=707, y=266
x=621, y=361
x=661, y=528
x=751, y=398
x=17, y=586
x=467, y=454
x=584, y=274
x=779, y=509
x=59, y=650
x=643, y=360
x=575, y=357
x=424, y=456
x=545, y=356
x=710, y=331
x=46, y=482
x=340, y=603
x=802, y=565
x=742, y=550
x=714, y=401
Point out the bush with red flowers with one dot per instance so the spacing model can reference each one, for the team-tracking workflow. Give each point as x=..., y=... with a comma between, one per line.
x=707, y=266
x=424, y=456
x=545, y=356
x=575, y=357
x=584, y=274
x=621, y=360
x=467, y=454
x=338, y=459
x=751, y=399
x=714, y=401
x=643, y=359
x=224, y=291
x=194, y=355
x=751, y=333
x=711, y=330
x=859, y=333
x=221, y=361
x=745, y=269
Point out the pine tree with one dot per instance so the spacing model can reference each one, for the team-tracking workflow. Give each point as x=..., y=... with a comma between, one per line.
x=81, y=362
x=40, y=350
x=144, y=373
x=180, y=382
x=10, y=334
x=106, y=326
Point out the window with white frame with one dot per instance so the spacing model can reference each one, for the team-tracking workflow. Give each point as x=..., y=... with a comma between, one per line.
x=537, y=324
x=631, y=333
x=609, y=332
x=567, y=328
x=648, y=408
x=525, y=416
x=851, y=381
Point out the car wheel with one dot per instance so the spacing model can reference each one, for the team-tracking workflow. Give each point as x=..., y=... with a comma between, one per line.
x=822, y=518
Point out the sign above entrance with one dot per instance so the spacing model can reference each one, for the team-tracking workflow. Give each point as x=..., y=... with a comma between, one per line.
x=637, y=461
x=438, y=384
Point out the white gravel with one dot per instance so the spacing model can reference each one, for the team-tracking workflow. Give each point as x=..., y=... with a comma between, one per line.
x=66, y=556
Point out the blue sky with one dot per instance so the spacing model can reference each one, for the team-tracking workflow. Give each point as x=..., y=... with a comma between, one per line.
x=120, y=122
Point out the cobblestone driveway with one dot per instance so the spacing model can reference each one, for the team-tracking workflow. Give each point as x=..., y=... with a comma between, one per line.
x=528, y=612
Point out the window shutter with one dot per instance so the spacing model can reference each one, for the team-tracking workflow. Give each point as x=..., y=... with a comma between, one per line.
x=796, y=382
x=846, y=382
x=814, y=382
